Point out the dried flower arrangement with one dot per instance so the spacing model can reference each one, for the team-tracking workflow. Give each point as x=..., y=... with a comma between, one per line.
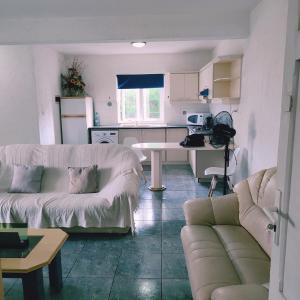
x=72, y=84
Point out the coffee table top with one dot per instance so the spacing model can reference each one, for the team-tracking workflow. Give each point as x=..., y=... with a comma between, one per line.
x=41, y=255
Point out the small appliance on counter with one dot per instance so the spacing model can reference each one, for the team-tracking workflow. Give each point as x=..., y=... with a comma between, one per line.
x=197, y=118
x=199, y=123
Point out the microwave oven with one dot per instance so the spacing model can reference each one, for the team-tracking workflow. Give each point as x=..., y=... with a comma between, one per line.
x=197, y=118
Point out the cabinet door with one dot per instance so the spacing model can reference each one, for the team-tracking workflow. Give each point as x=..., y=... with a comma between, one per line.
x=206, y=159
x=206, y=80
x=153, y=136
x=74, y=130
x=123, y=133
x=177, y=87
x=191, y=86
x=176, y=135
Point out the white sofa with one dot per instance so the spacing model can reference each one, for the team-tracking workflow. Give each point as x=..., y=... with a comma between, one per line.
x=111, y=209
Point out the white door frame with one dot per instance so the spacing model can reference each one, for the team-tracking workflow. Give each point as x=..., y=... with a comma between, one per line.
x=284, y=183
x=291, y=96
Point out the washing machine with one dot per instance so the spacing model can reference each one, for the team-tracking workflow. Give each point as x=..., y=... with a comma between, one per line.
x=104, y=137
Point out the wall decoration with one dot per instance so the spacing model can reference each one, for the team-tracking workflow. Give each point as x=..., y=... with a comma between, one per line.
x=72, y=84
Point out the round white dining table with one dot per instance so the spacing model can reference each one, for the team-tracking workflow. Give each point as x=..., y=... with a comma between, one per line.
x=156, y=161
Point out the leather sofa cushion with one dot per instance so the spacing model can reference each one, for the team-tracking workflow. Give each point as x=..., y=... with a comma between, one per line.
x=220, y=256
x=255, y=193
x=208, y=264
x=251, y=263
x=241, y=292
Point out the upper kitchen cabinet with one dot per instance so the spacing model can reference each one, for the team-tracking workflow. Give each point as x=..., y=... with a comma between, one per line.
x=205, y=80
x=222, y=77
x=184, y=86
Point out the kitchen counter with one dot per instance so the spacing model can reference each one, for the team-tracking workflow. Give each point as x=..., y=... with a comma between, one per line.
x=142, y=132
x=138, y=126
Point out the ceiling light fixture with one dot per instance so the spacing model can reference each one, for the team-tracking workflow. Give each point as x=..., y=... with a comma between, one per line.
x=138, y=44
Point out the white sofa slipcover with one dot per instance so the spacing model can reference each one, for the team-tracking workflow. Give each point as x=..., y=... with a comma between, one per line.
x=111, y=207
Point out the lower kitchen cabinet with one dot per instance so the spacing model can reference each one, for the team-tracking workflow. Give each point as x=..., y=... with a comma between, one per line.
x=158, y=135
x=201, y=160
x=123, y=133
x=176, y=135
x=153, y=135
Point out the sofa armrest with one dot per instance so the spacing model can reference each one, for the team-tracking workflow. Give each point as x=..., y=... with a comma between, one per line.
x=222, y=210
x=238, y=292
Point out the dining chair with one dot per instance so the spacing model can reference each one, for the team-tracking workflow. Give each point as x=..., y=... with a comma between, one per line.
x=214, y=172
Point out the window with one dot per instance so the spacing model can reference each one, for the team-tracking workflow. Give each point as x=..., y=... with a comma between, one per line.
x=140, y=98
x=140, y=105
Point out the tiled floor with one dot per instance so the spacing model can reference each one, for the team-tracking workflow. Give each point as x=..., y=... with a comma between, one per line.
x=150, y=265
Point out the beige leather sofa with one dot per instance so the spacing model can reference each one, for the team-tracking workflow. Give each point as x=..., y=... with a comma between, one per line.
x=226, y=244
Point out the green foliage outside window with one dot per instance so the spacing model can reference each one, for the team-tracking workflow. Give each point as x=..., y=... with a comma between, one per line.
x=130, y=104
x=140, y=103
x=154, y=103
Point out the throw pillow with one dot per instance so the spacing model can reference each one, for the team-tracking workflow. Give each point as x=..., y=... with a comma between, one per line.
x=26, y=179
x=83, y=180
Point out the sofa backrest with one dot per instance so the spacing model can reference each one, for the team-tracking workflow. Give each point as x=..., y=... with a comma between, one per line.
x=255, y=193
x=111, y=159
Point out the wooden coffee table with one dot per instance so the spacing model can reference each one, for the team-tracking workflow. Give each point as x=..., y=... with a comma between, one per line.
x=30, y=268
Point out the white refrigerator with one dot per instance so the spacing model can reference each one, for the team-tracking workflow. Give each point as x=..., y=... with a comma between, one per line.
x=77, y=115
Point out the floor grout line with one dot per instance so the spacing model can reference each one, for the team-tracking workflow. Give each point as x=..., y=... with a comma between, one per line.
x=112, y=283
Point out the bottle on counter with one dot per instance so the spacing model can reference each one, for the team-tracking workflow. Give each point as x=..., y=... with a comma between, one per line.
x=96, y=119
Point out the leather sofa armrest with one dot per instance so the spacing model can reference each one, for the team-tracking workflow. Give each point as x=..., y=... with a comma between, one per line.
x=223, y=210
x=238, y=292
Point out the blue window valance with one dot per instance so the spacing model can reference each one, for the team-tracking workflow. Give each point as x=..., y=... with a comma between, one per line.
x=140, y=81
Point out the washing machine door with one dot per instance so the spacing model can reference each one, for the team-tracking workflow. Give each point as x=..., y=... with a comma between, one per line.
x=104, y=137
x=105, y=140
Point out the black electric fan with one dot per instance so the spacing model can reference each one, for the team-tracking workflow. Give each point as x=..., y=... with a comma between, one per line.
x=222, y=132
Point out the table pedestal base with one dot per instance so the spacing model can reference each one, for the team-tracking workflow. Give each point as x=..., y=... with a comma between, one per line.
x=158, y=189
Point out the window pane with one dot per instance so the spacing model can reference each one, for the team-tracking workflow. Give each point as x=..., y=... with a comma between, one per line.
x=154, y=104
x=130, y=104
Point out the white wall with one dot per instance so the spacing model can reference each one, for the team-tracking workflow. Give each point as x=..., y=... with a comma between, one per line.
x=229, y=47
x=100, y=76
x=18, y=109
x=47, y=65
x=258, y=118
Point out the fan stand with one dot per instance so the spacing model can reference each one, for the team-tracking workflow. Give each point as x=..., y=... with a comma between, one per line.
x=226, y=164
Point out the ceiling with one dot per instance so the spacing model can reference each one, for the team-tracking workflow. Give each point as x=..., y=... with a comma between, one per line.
x=126, y=48
x=134, y=8
x=105, y=21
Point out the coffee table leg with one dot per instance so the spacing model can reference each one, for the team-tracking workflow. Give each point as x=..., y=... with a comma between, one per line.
x=55, y=273
x=33, y=285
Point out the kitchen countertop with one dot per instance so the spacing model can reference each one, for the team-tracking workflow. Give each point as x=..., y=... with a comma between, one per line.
x=138, y=126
